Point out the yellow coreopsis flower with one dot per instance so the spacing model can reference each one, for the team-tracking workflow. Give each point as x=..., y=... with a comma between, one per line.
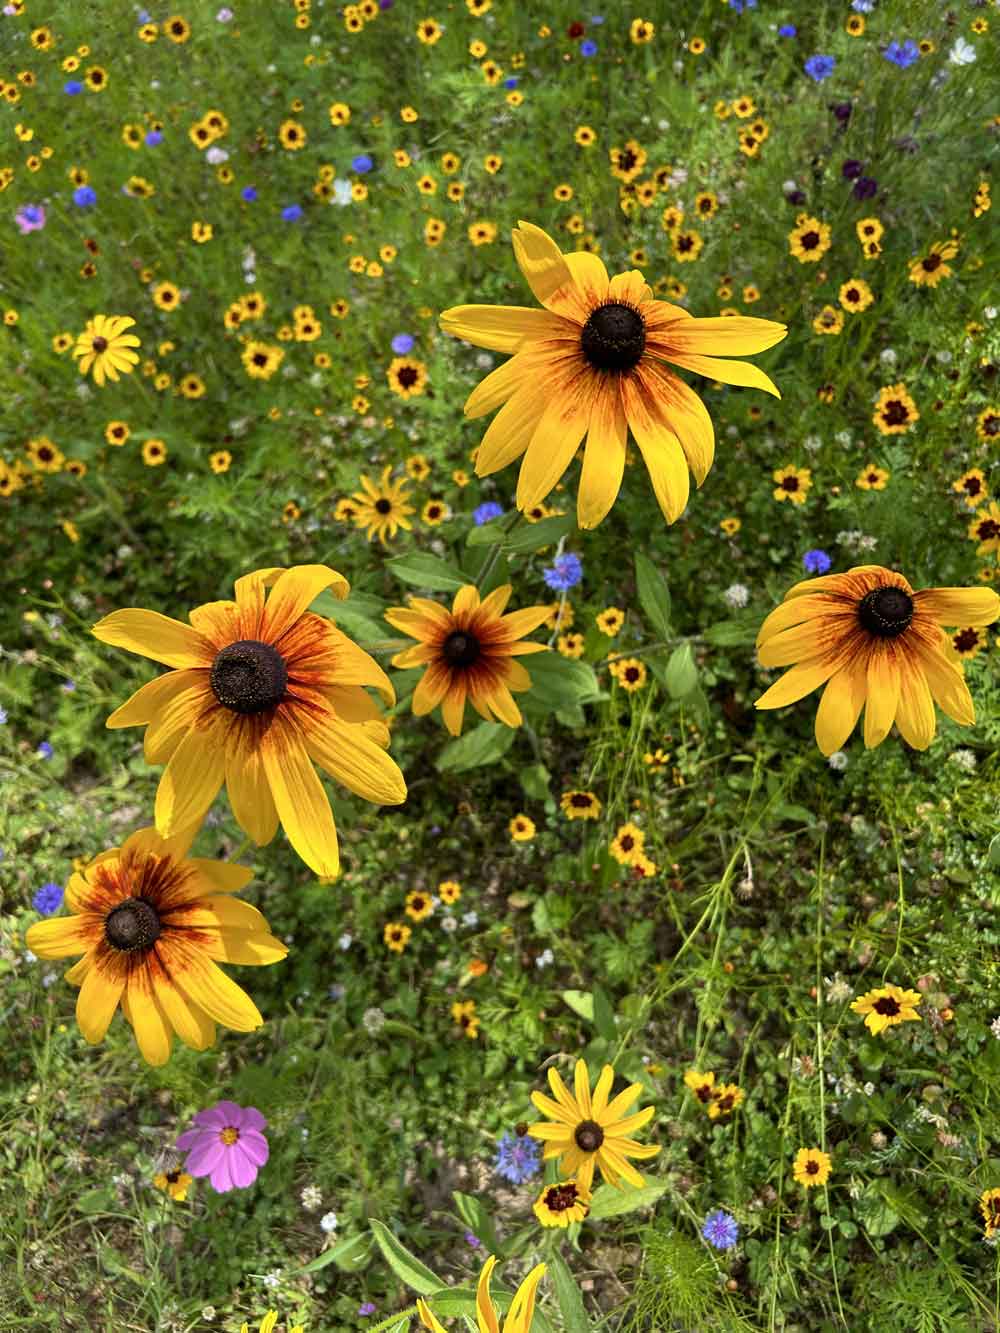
x=887, y=1006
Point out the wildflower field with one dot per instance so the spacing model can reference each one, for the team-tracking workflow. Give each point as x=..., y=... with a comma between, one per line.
x=499, y=708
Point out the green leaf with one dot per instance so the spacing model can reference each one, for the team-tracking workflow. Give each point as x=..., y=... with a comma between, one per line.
x=349, y=1254
x=487, y=534
x=427, y=571
x=604, y=1015
x=533, y=536
x=993, y=853
x=101, y=1199
x=556, y=682
x=654, y=594
x=483, y=745
x=407, y=1267
x=611, y=1202
x=535, y=781
x=580, y=1002
x=571, y=1307
x=518, y=1243
x=730, y=633
x=477, y=1219
x=682, y=675
x=875, y=1215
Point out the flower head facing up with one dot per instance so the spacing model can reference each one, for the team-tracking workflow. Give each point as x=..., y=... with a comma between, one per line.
x=820, y=67
x=875, y=644
x=887, y=1006
x=591, y=1131
x=721, y=1230
x=48, y=899
x=559, y=1205
x=261, y=689
x=590, y=364
x=382, y=510
x=105, y=347
x=565, y=572
x=469, y=654
x=518, y=1158
x=151, y=924
x=989, y=1206
x=811, y=1167
x=227, y=1145
x=519, y=1316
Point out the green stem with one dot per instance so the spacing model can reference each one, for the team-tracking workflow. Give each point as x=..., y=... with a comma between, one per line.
x=496, y=551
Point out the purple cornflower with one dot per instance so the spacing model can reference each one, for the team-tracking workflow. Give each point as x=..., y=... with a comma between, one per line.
x=361, y=163
x=292, y=213
x=816, y=562
x=588, y=49
x=227, y=1146
x=402, y=343
x=154, y=138
x=788, y=30
x=842, y=110
x=865, y=188
x=48, y=899
x=517, y=1158
x=820, y=67
x=69, y=686
x=472, y=1240
x=72, y=87
x=84, y=196
x=44, y=749
x=852, y=169
x=366, y=1309
x=565, y=572
x=486, y=512
x=904, y=56
x=249, y=194
x=721, y=1230
x=31, y=217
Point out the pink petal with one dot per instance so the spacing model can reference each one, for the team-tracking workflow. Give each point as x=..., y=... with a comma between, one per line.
x=251, y=1119
x=213, y=1118
x=221, y=1178
x=192, y=1137
x=230, y=1112
x=254, y=1145
x=244, y=1172
x=205, y=1157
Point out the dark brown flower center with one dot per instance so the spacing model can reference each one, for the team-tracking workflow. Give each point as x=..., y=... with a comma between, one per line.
x=812, y=1168
x=133, y=924
x=931, y=262
x=406, y=376
x=809, y=240
x=99, y=344
x=704, y=1093
x=249, y=676
x=614, y=337
x=560, y=1198
x=988, y=529
x=991, y=425
x=790, y=483
x=886, y=1006
x=460, y=649
x=965, y=640
x=588, y=1135
x=174, y=1176
x=973, y=485
x=886, y=612
x=580, y=800
x=383, y=506
x=895, y=413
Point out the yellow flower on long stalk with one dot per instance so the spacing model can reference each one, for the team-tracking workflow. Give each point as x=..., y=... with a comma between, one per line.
x=887, y=1006
x=590, y=364
x=261, y=689
x=106, y=348
x=519, y=1316
x=151, y=923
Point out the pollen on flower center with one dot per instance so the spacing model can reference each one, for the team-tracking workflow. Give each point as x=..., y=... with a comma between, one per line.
x=460, y=649
x=886, y=612
x=133, y=924
x=230, y=1134
x=614, y=337
x=248, y=676
x=589, y=1136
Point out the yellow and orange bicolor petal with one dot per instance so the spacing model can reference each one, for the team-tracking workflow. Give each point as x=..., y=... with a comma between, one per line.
x=152, y=635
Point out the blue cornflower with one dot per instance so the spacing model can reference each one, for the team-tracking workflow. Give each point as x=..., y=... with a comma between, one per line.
x=510, y=83
x=588, y=48
x=486, y=512
x=862, y=6
x=473, y=1240
x=48, y=899
x=361, y=163
x=820, y=67
x=788, y=30
x=3, y=716
x=44, y=749
x=517, y=1158
x=721, y=1230
x=69, y=686
x=740, y=5
x=816, y=562
x=904, y=56
x=153, y=138
x=249, y=194
x=402, y=343
x=565, y=572
x=84, y=196
x=292, y=213
x=597, y=18
x=72, y=87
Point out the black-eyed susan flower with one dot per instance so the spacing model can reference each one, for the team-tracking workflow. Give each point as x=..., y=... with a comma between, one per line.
x=809, y=239
x=45, y=456
x=855, y=295
x=406, y=377
x=396, y=936
x=989, y=1206
x=811, y=1167
x=589, y=1131
x=571, y=646
x=220, y=461
x=687, y=246
x=419, y=905
x=610, y=621
x=829, y=321
x=730, y=526
x=151, y=924
x=463, y=1013
x=105, y=348
x=895, y=411
x=927, y=270
x=627, y=844
x=292, y=135
x=630, y=673
x=589, y=364
x=449, y=891
x=261, y=689
x=972, y=486
x=872, y=478
x=429, y=31
x=875, y=644
x=468, y=653
x=580, y=805
x=177, y=29
x=701, y=1085
x=521, y=828
x=869, y=229
x=166, y=295
x=968, y=643
x=724, y=1100
x=885, y=1007
x=792, y=483
x=175, y=1182
x=559, y=1205
x=382, y=510
x=154, y=453
x=519, y=1315
x=988, y=424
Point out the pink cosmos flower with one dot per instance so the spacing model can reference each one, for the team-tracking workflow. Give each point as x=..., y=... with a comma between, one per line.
x=227, y=1146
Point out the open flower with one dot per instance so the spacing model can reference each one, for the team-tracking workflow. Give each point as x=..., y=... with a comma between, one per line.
x=261, y=690
x=519, y=1316
x=875, y=644
x=811, y=1167
x=382, y=510
x=106, y=348
x=887, y=1006
x=559, y=1205
x=589, y=364
x=176, y=1183
x=151, y=924
x=591, y=1131
x=227, y=1145
x=989, y=1205
x=469, y=654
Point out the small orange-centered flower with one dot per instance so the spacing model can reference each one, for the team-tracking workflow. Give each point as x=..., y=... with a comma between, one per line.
x=396, y=936
x=261, y=689
x=875, y=644
x=887, y=1006
x=469, y=654
x=811, y=1167
x=105, y=347
x=151, y=923
x=580, y=805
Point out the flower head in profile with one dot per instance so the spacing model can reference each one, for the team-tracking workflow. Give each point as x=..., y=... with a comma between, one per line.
x=590, y=365
x=176, y=1183
x=873, y=643
x=811, y=1167
x=152, y=923
x=519, y=1316
x=590, y=1131
x=261, y=688
x=885, y=1007
x=227, y=1145
x=468, y=653
x=989, y=1206
x=106, y=348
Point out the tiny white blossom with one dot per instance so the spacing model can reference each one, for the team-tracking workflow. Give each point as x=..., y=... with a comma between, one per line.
x=888, y=356
x=736, y=595
x=272, y=1279
x=484, y=361
x=341, y=193
x=311, y=1198
x=449, y=924
x=373, y=1020
x=216, y=155
x=837, y=761
x=962, y=53
x=346, y=940
x=965, y=759
x=995, y=1027
x=328, y=1222
x=545, y=958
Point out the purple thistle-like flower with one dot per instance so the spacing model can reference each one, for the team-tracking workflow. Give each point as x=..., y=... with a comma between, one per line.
x=721, y=1230
x=816, y=562
x=518, y=1159
x=227, y=1145
x=48, y=899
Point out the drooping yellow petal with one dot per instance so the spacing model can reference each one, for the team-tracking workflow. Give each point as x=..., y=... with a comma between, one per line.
x=683, y=412
x=250, y=793
x=882, y=697
x=798, y=682
x=155, y=695
x=431, y=689
x=453, y=706
x=840, y=705
x=522, y=1307
x=485, y=1314
x=741, y=373
x=60, y=937
x=177, y=716
x=151, y=635
x=294, y=591
x=214, y=992
x=547, y=272
x=301, y=802
x=426, y=1317
x=726, y=335
x=188, y=1020
x=563, y=423
x=660, y=449
x=959, y=606
x=363, y=767
x=153, y=1032
x=947, y=685
x=603, y=458
x=191, y=780
x=509, y=433
x=915, y=715
x=501, y=328
x=98, y=999
x=500, y=384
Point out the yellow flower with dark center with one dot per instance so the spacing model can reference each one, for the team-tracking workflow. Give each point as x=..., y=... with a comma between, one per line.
x=702, y=1085
x=396, y=936
x=418, y=905
x=872, y=478
x=809, y=239
x=154, y=452
x=435, y=512
x=201, y=232
x=464, y=1014
x=192, y=386
x=521, y=828
x=687, y=246
x=875, y=644
x=340, y=113
x=856, y=295
x=406, y=376
x=811, y=1167
x=829, y=321
x=151, y=924
x=482, y=233
x=988, y=424
x=468, y=653
x=96, y=79
x=895, y=411
x=449, y=891
x=724, y=1100
x=590, y=364
x=628, y=844
x=929, y=269
x=589, y=1131
x=571, y=646
x=972, y=486
x=522, y=1307
x=580, y=805
x=559, y=1205
x=706, y=204
x=641, y=31
x=106, y=348
x=626, y=163
x=176, y=1183
x=177, y=29
x=166, y=296
x=429, y=32
x=854, y=26
x=45, y=456
x=382, y=510
x=985, y=529
x=887, y=1006
x=261, y=360
x=261, y=689
x=759, y=129
x=989, y=1205
x=744, y=107
x=610, y=621
x=630, y=673
x=76, y=467
x=292, y=135
x=792, y=483
x=220, y=461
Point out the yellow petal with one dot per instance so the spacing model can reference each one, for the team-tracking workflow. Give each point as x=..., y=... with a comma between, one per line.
x=301, y=802
x=249, y=790
x=431, y=688
x=882, y=694
x=959, y=606
x=798, y=609
x=630, y=287
x=601, y=1091
x=62, y=937
x=188, y=1019
x=294, y=591
x=151, y=635
x=741, y=373
x=426, y=1318
x=915, y=714
x=191, y=781
x=680, y=408
x=546, y=271
x=155, y=695
x=453, y=706
x=210, y=988
x=98, y=999
x=177, y=716
x=727, y=335
x=591, y=280
x=502, y=383
x=947, y=685
x=485, y=1314
x=620, y=1104
x=221, y=876
x=660, y=449
x=840, y=705
x=603, y=458
x=798, y=682
x=153, y=1033
x=581, y=1087
x=522, y=1307
x=562, y=426
x=466, y=600
x=791, y=645
x=509, y=433
x=343, y=750
x=502, y=328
